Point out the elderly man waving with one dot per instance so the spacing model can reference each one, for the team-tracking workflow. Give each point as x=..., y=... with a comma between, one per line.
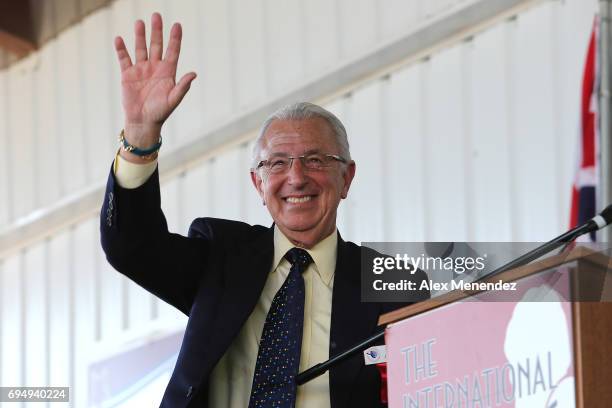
x=263, y=303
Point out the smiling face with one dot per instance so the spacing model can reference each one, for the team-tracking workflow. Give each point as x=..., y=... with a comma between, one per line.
x=303, y=202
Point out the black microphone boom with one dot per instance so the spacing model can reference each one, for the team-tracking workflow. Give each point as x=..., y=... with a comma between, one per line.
x=598, y=222
x=317, y=370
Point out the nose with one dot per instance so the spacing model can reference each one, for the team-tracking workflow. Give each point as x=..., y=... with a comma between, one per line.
x=296, y=175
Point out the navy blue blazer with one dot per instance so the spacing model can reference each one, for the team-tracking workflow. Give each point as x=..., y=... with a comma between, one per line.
x=215, y=276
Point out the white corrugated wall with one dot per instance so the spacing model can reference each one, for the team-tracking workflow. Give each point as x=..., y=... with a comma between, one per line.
x=471, y=141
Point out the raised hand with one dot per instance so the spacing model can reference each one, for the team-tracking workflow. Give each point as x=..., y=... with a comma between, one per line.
x=149, y=90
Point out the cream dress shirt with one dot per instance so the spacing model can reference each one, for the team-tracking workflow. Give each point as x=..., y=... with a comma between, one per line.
x=232, y=377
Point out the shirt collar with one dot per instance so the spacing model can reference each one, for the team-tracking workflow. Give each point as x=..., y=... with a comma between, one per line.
x=323, y=254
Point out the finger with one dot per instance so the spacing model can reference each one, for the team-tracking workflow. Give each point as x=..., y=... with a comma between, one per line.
x=174, y=44
x=180, y=89
x=122, y=54
x=157, y=38
x=140, y=40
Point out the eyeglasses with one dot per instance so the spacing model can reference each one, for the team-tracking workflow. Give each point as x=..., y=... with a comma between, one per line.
x=315, y=162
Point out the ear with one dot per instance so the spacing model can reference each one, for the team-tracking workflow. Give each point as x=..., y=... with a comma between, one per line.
x=257, y=183
x=348, y=176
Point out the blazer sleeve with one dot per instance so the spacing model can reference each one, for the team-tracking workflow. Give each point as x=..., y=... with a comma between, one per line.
x=137, y=243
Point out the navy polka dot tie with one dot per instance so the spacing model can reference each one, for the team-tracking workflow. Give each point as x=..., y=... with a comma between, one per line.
x=278, y=359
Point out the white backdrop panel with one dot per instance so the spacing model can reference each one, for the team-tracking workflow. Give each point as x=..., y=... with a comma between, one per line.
x=23, y=141
x=44, y=115
x=431, y=8
x=405, y=201
x=12, y=368
x=120, y=18
x=490, y=150
x=196, y=197
x=36, y=316
x=218, y=66
x=227, y=171
x=85, y=247
x=138, y=306
x=340, y=108
x=100, y=127
x=110, y=301
x=74, y=160
x=60, y=280
x=188, y=119
x=363, y=124
x=445, y=144
x=144, y=8
x=398, y=15
x=249, y=52
x=322, y=42
x=534, y=161
x=285, y=50
x=357, y=25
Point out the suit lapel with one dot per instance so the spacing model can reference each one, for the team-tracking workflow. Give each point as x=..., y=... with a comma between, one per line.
x=351, y=320
x=245, y=273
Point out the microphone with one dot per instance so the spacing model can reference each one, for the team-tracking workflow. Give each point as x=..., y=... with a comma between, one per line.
x=601, y=220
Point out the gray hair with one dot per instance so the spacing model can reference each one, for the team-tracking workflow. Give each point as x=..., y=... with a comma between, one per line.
x=301, y=111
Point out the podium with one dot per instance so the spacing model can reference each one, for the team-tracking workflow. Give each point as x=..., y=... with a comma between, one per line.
x=548, y=343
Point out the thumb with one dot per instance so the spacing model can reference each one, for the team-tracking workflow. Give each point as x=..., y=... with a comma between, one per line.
x=180, y=89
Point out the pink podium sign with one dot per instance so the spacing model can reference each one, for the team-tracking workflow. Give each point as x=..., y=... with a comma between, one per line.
x=484, y=354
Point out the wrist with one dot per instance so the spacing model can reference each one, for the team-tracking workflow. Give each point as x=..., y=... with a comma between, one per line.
x=142, y=136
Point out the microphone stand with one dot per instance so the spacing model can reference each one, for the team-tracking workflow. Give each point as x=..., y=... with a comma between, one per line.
x=543, y=249
x=597, y=222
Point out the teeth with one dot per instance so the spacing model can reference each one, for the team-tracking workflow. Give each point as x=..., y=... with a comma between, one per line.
x=295, y=200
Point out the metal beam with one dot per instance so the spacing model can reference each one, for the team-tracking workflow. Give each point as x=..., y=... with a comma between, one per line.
x=26, y=25
x=16, y=29
x=459, y=22
x=605, y=112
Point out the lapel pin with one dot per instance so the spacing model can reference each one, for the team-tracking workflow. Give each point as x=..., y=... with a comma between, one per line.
x=375, y=355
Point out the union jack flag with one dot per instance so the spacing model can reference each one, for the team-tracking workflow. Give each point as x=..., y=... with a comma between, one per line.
x=586, y=178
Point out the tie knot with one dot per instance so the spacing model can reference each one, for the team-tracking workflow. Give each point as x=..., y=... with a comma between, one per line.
x=299, y=257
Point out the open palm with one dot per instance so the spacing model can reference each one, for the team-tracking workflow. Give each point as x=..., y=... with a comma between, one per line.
x=149, y=90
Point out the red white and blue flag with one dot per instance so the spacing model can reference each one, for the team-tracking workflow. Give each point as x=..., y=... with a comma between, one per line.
x=585, y=182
